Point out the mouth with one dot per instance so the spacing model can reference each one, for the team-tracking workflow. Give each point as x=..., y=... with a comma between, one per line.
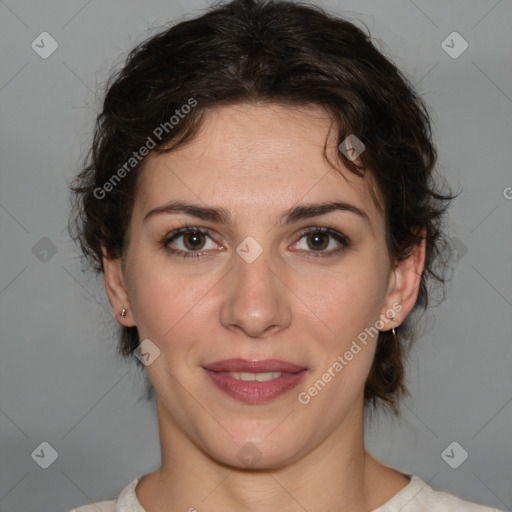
x=261, y=366
x=255, y=382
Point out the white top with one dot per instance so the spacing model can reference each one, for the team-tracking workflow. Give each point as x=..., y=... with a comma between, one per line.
x=416, y=496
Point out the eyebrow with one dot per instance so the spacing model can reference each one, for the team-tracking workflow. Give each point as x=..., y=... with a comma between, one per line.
x=222, y=216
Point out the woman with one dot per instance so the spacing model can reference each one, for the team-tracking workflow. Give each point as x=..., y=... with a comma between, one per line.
x=261, y=200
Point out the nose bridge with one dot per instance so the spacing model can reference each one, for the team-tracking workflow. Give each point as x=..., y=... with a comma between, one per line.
x=255, y=299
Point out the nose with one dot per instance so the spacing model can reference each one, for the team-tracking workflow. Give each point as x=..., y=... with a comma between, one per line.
x=256, y=298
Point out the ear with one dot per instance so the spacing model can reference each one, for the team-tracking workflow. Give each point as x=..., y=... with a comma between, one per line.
x=117, y=291
x=404, y=285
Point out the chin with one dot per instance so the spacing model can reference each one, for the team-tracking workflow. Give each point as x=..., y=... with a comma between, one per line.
x=256, y=452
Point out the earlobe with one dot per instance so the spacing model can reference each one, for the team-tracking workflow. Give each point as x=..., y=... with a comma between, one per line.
x=116, y=290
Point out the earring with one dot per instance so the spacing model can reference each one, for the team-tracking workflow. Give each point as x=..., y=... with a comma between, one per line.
x=393, y=329
x=123, y=313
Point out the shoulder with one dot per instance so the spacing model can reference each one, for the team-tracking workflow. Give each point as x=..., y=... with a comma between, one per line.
x=418, y=496
x=126, y=501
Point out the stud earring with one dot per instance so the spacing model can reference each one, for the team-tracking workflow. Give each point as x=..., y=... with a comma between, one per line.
x=123, y=313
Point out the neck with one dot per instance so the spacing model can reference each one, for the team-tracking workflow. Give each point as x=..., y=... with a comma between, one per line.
x=337, y=475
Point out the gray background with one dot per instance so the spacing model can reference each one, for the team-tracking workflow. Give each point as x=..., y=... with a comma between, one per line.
x=61, y=382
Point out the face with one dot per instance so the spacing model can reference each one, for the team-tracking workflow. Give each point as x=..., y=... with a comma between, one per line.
x=258, y=285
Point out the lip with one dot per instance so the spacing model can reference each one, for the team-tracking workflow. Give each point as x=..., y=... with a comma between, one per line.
x=244, y=365
x=255, y=392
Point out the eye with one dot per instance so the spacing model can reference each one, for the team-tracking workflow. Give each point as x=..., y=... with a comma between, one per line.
x=317, y=238
x=193, y=240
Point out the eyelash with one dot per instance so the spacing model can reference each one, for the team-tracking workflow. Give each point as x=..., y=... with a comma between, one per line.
x=342, y=239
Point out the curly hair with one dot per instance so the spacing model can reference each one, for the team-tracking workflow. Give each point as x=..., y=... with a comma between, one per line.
x=266, y=51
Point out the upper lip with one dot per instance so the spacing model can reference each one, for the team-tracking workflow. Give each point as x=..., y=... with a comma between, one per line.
x=261, y=366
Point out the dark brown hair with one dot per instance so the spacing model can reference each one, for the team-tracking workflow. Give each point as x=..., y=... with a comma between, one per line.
x=284, y=52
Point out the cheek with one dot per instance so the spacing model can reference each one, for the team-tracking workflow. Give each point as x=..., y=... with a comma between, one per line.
x=164, y=313
x=349, y=299
x=162, y=300
x=349, y=308
x=174, y=309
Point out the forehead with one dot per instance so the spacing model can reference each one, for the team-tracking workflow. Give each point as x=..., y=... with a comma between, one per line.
x=256, y=158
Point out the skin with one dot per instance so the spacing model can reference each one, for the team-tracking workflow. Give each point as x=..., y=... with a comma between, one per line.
x=257, y=160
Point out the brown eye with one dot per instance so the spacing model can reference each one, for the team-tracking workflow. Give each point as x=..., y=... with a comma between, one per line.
x=187, y=242
x=319, y=241
x=193, y=240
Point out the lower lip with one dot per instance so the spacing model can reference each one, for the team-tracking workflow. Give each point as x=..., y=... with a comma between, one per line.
x=254, y=392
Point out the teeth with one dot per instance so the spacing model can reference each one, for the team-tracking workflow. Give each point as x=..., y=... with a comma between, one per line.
x=260, y=377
